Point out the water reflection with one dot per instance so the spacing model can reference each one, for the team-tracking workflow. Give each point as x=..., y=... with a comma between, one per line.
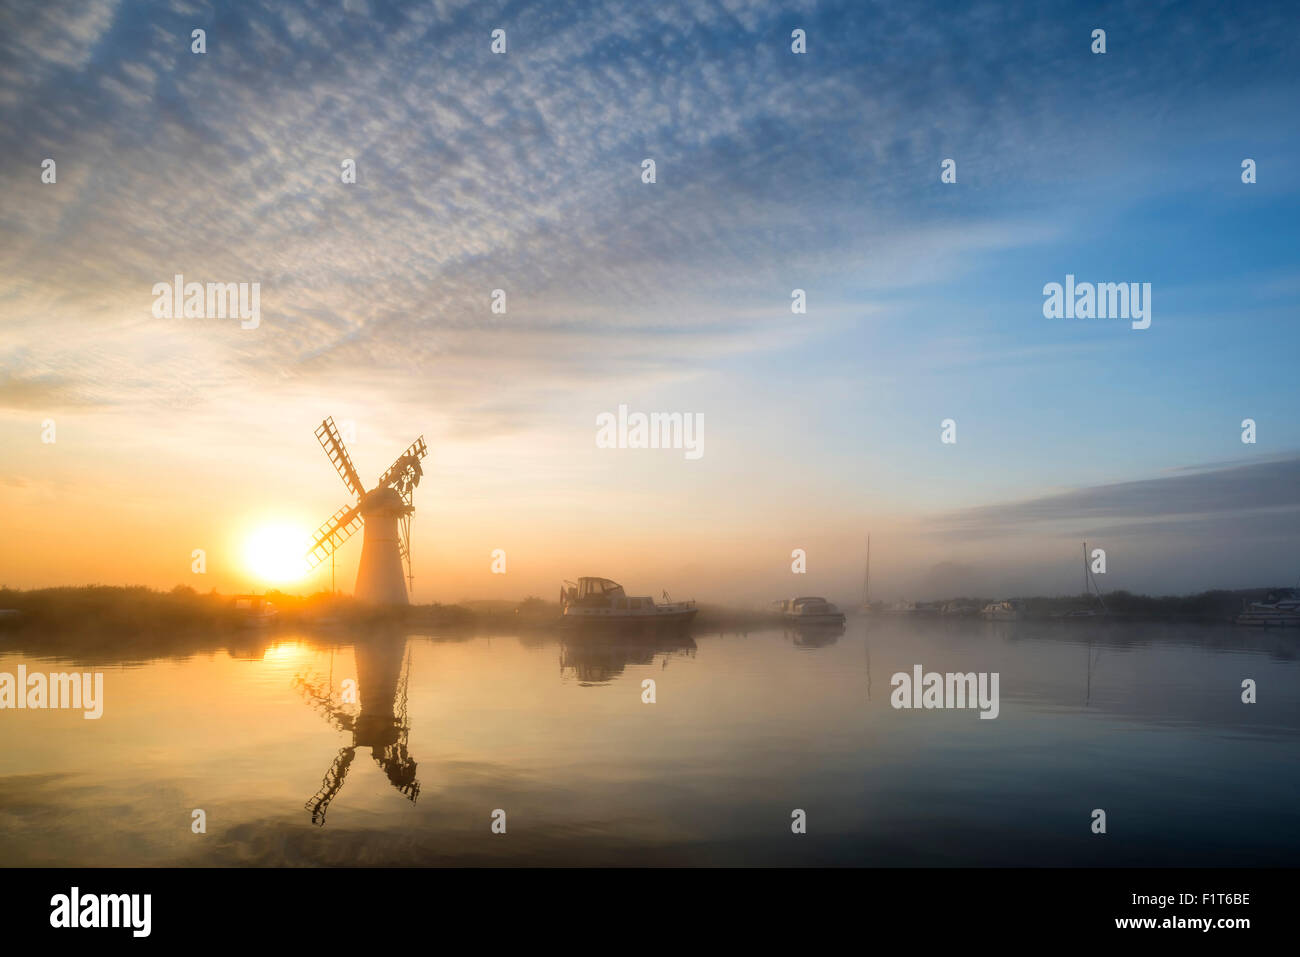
x=598, y=657
x=813, y=635
x=382, y=723
x=1143, y=719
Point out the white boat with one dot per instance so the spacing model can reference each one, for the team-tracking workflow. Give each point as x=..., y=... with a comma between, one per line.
x=1280, y=609
x=1010, y=610
x=601, y=601
x=255, y=611
x=901, y=608
x=811, y=610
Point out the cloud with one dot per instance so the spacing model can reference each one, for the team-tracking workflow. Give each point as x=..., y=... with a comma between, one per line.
x=49, y=34
x=40, y=393
x=1222, y=496
x=519, y=172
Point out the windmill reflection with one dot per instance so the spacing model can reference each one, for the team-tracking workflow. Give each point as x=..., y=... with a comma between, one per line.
x=381, y=723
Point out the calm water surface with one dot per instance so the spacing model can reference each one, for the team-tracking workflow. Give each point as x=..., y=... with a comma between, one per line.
x=1144, y=721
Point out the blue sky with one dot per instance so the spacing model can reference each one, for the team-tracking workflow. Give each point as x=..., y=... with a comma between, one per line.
x=775, y=172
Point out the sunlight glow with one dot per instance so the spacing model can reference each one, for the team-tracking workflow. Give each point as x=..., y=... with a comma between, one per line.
x=274, y=553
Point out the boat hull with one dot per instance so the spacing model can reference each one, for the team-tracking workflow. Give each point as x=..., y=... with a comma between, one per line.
x=1267, y=620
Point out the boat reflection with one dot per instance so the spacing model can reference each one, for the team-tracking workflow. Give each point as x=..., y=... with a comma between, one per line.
x=814, y=634
x=598, y=657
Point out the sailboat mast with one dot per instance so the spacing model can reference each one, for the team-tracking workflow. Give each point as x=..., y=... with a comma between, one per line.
x=1090, y=583
x=866, y=582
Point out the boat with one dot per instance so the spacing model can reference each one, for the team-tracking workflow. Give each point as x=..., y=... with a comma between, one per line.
x=1008, y=610
x=901, y=608
x=255, y=611
x=959, y=609
x=811, y=610
x=1089, y=587
x=593, y=600
x=1279, y=609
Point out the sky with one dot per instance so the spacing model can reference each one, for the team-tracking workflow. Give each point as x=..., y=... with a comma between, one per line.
x=774, y=171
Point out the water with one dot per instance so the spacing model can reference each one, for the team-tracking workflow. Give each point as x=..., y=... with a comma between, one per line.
x=1143, y=721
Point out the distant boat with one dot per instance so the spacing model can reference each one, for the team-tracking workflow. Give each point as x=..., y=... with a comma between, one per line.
x=811, y=610
x=1089, y=586
x=959, y=609
x=1009, y=610
x=901, y=608
x=255, y=611
x=601, y=601
x=1279, y=609
x=1076, y=613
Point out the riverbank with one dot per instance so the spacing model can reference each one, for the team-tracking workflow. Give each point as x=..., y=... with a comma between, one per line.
x=1220, y=605
x=110, y=612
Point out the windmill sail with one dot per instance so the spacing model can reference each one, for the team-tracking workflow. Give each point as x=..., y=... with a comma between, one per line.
x=333, y=533
x=330, y=786
x=332, y=443
x=405, y=473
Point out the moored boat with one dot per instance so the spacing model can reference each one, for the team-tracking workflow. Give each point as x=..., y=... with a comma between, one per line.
x=1009, y=610
x=1279, y=609
x=255, y=611
x=601, y=601
x=1074, y=614
x=901, y=608
x=811, y=610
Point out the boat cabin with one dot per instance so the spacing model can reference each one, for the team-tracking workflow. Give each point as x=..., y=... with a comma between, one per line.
x=603, y=593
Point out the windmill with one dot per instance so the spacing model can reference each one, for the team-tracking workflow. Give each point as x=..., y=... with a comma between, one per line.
x=385, y=511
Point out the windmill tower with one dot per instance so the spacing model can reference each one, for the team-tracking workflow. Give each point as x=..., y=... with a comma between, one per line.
x=385, y=511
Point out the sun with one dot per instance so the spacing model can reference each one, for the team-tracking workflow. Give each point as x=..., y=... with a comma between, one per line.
x=274, y=553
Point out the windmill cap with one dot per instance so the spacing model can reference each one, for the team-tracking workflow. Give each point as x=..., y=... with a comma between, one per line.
x=383, y=499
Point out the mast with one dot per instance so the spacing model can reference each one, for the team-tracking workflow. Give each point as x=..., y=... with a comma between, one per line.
x=1090, y=583
x=866, y=582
